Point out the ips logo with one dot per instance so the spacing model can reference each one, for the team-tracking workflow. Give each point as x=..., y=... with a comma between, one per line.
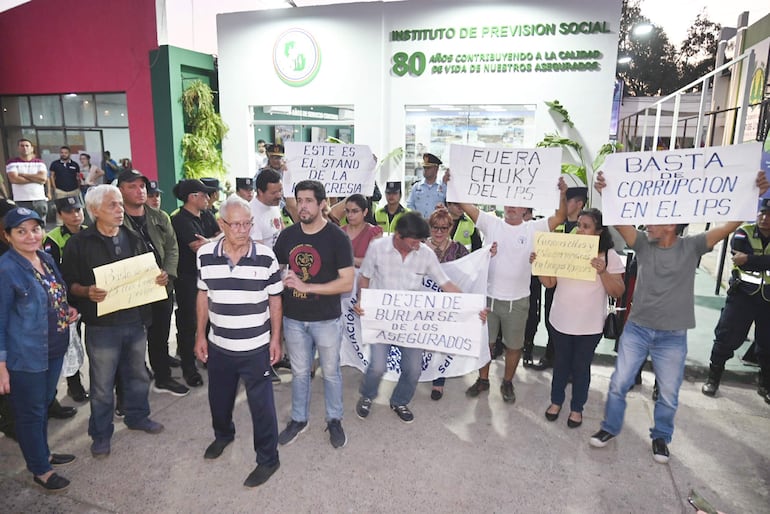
x=296, y=57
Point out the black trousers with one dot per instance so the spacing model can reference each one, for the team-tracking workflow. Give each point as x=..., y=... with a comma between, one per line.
x=739, y=312
x=186, y=287
x=157, y=337
x=226, y=369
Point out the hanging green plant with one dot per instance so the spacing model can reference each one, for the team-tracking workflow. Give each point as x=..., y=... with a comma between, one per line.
x=201, y=144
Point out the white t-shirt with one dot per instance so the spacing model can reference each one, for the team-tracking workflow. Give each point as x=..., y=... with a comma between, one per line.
x=579, y=306
x=510, y=271
x=27, y=192
x=267, y=222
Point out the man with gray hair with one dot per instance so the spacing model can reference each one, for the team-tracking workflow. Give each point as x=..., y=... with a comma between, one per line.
x=244, y=336
x=116, y=341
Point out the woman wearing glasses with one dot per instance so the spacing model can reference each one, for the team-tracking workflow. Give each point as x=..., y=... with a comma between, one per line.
x=358, y=230
x=447, y=250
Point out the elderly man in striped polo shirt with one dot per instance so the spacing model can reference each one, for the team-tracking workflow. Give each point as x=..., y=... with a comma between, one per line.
x=239, y=292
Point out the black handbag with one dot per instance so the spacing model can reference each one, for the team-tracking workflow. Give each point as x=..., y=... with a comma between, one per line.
x=613, y=325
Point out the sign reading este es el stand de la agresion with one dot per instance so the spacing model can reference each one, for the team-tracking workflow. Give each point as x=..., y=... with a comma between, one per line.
x=497, y=59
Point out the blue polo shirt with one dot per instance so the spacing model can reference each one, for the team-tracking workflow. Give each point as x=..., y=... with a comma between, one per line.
x=66, y=174
x=424, y=197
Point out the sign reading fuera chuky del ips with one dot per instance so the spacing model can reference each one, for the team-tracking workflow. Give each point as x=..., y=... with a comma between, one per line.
x=343, y=169
x=435, y=322
x=524, y=177
x=682, y=186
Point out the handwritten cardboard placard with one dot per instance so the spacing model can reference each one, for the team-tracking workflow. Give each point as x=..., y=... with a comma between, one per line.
x=692, y=185
x=343, y=169
x=441, y=322
x=565, y=255
x=129, y=283
x=521, y=177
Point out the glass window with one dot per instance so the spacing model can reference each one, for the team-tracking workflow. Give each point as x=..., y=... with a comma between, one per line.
x=88, y=141
x=49, y=142
x=46, y=111
x=12, y=136
x=16, y=110
x=79, y=110
x=111, y=110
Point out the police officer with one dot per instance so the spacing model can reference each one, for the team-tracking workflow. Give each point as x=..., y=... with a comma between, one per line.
x=748, y=301
x=388, y=215
x=244, y=187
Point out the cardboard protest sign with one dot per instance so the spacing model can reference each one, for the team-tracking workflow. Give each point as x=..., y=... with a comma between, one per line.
x=691, y=185
x=343, y=169
x=565, y=255
x=129, y=283
x=524, y=177
x=444, y=322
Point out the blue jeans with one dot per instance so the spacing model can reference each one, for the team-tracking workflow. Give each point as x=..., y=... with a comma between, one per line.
x=668, y=350
x=574, y=354
x=117, y=348
x=411, y=368
x=225, y=370
x=302, y=340
x=31, y=393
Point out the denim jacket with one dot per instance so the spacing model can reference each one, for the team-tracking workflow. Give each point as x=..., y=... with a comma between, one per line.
x=23, y=313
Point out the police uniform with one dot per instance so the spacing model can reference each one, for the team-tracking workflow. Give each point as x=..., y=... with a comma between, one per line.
x=747, y=302
x=382, y=216
x=464, y=232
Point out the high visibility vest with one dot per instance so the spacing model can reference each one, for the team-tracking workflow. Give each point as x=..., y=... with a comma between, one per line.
x=465, y=228
x=760, y=278
x=382, y=219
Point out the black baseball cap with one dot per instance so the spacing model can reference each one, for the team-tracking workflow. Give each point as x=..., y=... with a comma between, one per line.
x=69, y=203
x=131, y=176
x=246, y=183
x=392, y=187
x=186, y=187
x=153, y=187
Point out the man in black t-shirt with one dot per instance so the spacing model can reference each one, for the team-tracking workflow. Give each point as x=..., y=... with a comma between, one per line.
x=194, y=225
x=319, y=257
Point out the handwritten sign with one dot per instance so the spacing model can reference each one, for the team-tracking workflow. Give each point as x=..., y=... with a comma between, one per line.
x=565, y=255
x=693, y=185
x=441, y=322
x=343, y=169
x=129, y=283
x=522, y=177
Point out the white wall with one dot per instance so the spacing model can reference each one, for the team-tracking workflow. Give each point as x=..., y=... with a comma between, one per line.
x=356, y=66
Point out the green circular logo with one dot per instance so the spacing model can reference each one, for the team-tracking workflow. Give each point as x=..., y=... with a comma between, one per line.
x=296, y=57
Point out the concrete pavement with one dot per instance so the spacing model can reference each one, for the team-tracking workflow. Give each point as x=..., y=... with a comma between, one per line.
x=459, y=455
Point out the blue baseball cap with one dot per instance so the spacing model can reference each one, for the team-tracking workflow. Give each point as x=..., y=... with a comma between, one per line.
x=19, y=215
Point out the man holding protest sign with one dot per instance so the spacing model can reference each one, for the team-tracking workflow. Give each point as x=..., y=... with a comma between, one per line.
x=319, y=257
x=399, y=263
x=509, y=282
x=114, y=341
x=663, y=311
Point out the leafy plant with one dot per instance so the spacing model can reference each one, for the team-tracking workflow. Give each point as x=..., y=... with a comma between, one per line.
x=557, y=140
x=205, y=130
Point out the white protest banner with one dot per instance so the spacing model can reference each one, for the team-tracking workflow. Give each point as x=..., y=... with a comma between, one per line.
x=565, y=255
x=445, y=322
x=129, y=283
x=343, y=169
x=693, y=185
x=470, y=275
x=524, y=177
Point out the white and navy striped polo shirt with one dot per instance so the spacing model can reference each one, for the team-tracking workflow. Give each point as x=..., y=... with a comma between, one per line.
x=238, y=295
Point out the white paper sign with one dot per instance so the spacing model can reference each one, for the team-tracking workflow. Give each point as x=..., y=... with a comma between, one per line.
x=441, y=322
x=343, y=169
x=521, y=177
x=692, y=185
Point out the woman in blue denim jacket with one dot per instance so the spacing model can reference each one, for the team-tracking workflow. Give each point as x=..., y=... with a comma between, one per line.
x=34, y=334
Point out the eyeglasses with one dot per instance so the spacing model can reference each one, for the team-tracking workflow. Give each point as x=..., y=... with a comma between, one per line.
x=352, y=211
x=440, y=228
x=238, y=225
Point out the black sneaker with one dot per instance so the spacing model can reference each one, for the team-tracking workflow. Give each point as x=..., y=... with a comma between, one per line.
x=403, y=412
x=600, y=439
x=336, y=435
x=261, y=474
x=292, y=430
x=363, y=407
x=58, y=411
x=507, y=391
x=173, y=362
x=170, y=386
x=481, y=384
x=659, y=450
x=283, y=363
